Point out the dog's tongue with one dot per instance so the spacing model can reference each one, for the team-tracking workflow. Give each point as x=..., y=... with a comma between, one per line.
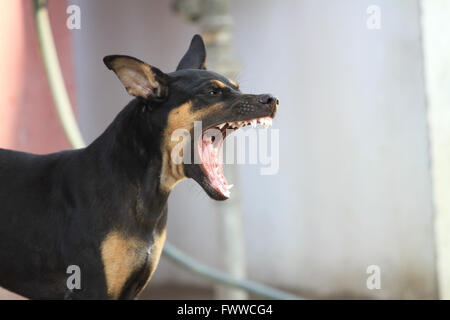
x=211, y=159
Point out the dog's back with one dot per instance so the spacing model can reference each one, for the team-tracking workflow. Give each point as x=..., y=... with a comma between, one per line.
x=35, y=200
x=27, y=180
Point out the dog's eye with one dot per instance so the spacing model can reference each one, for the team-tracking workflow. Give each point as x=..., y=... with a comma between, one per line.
x=214, y=91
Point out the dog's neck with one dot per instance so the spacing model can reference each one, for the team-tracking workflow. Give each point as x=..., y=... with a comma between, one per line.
x=131, y=146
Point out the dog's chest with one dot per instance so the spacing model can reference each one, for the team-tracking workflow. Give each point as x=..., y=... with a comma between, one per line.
x=129, y=262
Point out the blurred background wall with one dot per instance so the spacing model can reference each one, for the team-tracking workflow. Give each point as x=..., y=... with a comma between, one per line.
x=354, y=186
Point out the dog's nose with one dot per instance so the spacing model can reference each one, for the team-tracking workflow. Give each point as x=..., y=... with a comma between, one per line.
x=268, y=99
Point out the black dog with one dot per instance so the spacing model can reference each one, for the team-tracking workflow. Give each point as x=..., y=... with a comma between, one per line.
x=103, y=208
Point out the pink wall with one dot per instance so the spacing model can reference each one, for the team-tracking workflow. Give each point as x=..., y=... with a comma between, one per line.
x=28, y=121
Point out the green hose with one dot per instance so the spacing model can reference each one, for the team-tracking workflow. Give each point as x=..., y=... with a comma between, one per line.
x=67, y=118
x=54, y=75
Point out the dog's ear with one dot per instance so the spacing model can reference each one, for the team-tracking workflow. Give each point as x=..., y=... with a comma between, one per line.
x=139, y=78
x=195, y=57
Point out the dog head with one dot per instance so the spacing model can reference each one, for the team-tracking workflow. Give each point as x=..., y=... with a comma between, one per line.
x=180, y=100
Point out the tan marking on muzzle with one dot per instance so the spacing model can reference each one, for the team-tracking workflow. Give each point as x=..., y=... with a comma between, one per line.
x=181, y=117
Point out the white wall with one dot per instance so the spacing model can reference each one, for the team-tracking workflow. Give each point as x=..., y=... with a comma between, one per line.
x=436, y=30
x=354, y=183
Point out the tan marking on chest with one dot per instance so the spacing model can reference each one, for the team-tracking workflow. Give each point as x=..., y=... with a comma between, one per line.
x=121, y=257
x=156, y=250
x=155, y=254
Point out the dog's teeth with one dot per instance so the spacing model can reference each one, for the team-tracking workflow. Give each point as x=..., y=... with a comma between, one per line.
x=266, y=122
x=254, y=123
x=225, y=191
x=221, y=125
x=229, y=186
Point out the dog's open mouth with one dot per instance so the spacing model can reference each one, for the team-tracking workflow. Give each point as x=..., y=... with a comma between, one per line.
x=210, y=148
